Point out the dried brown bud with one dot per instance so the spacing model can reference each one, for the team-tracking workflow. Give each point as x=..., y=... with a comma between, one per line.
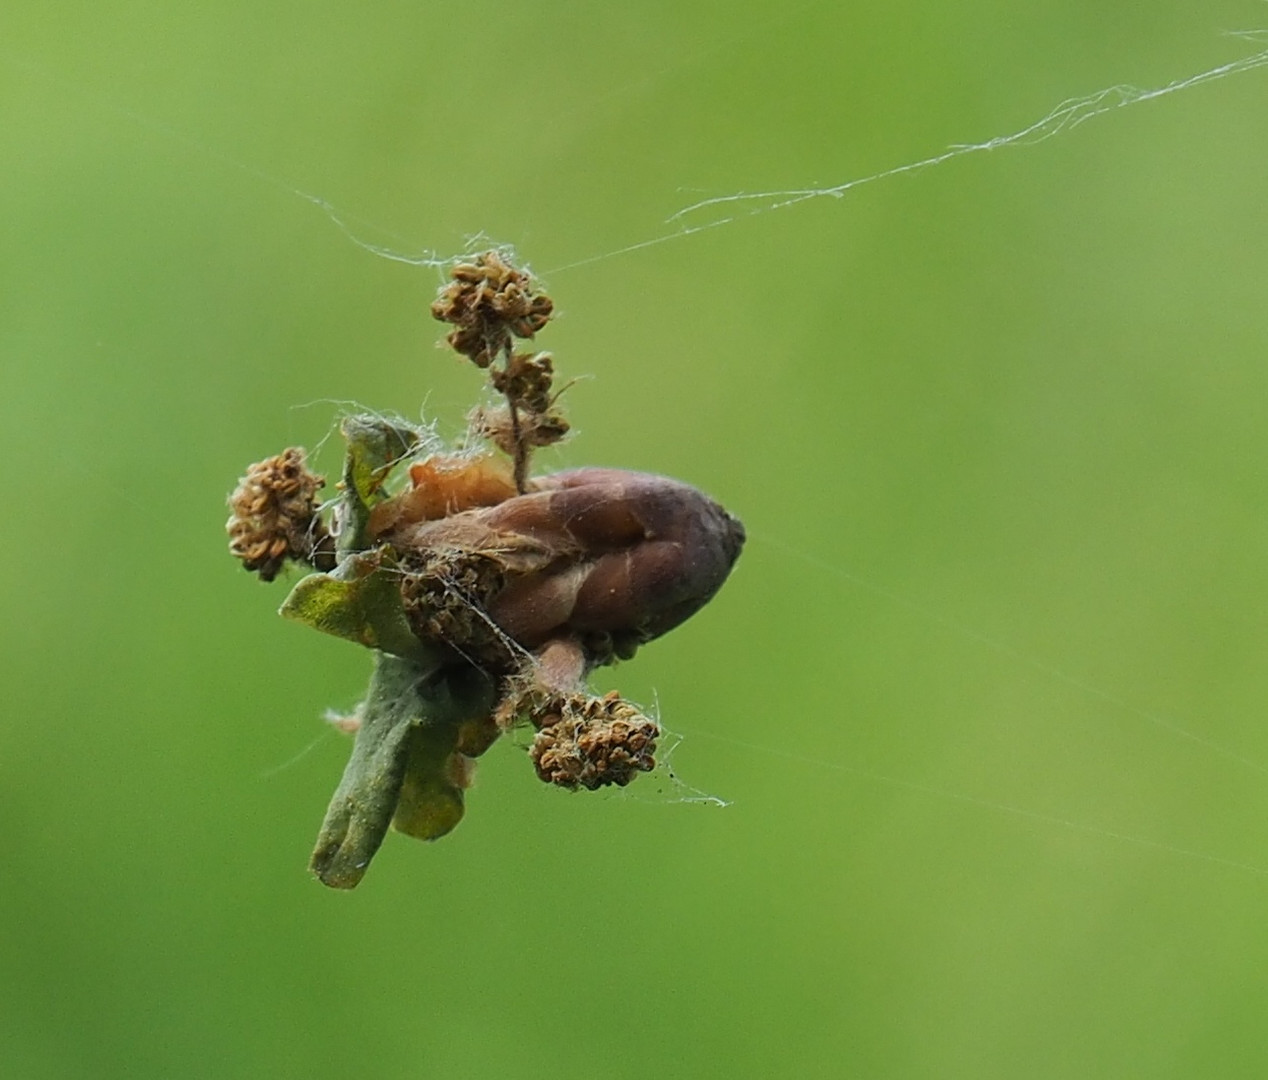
x=591, y=742
x=275, y=516
x=639, y=554
x=526, y=381
x=607, y=557
x=489, y=301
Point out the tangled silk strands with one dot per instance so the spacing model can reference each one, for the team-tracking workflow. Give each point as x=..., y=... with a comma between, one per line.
x=1067, y=115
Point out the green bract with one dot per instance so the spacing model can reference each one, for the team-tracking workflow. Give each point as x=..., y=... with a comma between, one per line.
x=399, y=771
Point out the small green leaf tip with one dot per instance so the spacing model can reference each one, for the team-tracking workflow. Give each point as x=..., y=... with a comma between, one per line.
x=435, y=774
x=375, y=445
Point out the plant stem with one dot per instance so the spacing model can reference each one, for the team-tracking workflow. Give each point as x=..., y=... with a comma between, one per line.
x=521, y=449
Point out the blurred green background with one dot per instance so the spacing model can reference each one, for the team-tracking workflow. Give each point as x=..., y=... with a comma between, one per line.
x=986, y=691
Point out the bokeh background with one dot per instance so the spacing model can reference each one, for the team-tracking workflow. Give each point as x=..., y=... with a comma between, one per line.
x=986, y=691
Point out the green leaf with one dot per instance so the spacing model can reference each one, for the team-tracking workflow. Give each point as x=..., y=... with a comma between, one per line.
x=364, y=802
x=430, y=801
x=359, y=601
x=398, y=769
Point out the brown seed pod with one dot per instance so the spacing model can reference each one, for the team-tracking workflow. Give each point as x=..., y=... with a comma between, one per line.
x=275, y=516
x=608, y=557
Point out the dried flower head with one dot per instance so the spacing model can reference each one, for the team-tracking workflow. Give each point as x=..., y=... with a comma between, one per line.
x=489, y=301
x=275, y=515
x=591, y=742
x=446, y=592
x=526, y=380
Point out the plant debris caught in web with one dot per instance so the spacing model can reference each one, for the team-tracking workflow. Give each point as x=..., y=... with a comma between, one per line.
x=485, y=593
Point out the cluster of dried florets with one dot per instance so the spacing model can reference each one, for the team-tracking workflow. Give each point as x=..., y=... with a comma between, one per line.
x=491, y=302
x=591, y=742
x=530, y=417
x=488, y=302
x=274, y=516
x=487, y=594
x=447, y=593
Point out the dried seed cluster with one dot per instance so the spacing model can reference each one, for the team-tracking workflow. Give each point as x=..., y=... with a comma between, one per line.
x=530, y=418
x=446, y=594
x=592, y=742
x=509, y=431
x=488, y=302
x=275, y=517
x=526, y=380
